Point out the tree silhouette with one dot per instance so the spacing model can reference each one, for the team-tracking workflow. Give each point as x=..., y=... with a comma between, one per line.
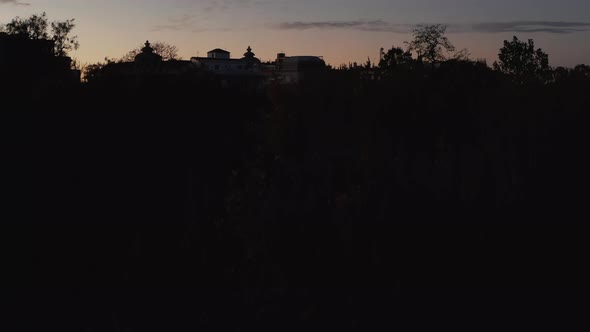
x=165, y=50
x=462, y=55
x=521, y=61
x=395, y=61
x=395, y=56
x=582, y=70
x=36, y=27
x=430, y=43
x=91, y=72
x=64, y=43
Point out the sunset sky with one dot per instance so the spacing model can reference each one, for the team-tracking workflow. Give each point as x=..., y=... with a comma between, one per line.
x=342, y=31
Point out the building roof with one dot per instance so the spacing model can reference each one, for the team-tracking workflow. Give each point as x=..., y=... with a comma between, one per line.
x=147, y=55
x=214, y=59
x=218, y=50
x=305, y=58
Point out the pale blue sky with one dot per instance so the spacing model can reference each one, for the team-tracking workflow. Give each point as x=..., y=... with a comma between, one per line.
x=341, y=30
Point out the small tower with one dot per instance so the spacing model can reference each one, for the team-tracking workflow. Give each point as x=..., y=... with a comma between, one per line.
x=147, y=55
x=147, y=48
x=249, y=53
x=249, y=59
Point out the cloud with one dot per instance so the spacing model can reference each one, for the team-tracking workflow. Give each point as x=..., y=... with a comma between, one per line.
x=487, y=27
x=15, y=2
x=176, y=23
x=187, y=22
x=203, y=30
x=374, y=25
x=210, y=6
x=223, y=5
x=199, y=12
x=532, y=26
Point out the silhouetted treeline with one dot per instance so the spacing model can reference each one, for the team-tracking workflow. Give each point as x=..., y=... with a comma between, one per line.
x=299, y=203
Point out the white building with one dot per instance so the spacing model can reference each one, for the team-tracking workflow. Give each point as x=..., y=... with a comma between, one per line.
x=219, y=61
x=285, y=69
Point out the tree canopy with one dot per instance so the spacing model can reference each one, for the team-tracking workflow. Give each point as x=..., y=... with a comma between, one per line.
x=395, y=56
x=37, y=26
x=522, y=61
x=430, y=43
x=33, y=27
x=64, y=43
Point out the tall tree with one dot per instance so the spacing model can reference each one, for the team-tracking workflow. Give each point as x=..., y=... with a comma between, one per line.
x=522, y=61
x=430, y=43
x=165, y=50
x=64, y=42
x=36, y=27
x=582, y=70
x=368, y=64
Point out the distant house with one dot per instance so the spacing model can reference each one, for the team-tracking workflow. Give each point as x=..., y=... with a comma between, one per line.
x=243, y=72
x=220, y=62
x=247, y=72
x=218, y=54
x=293, y=69
x=285, y=69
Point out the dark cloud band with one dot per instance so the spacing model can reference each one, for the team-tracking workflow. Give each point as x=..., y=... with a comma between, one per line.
x=532, y=26
x=488, y=27
x=15, y=2
x=375, y=25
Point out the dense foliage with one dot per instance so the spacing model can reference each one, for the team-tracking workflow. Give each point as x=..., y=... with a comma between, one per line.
x=430, y=43
x=263, y=206
x=36, y=27
x=522, y=61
